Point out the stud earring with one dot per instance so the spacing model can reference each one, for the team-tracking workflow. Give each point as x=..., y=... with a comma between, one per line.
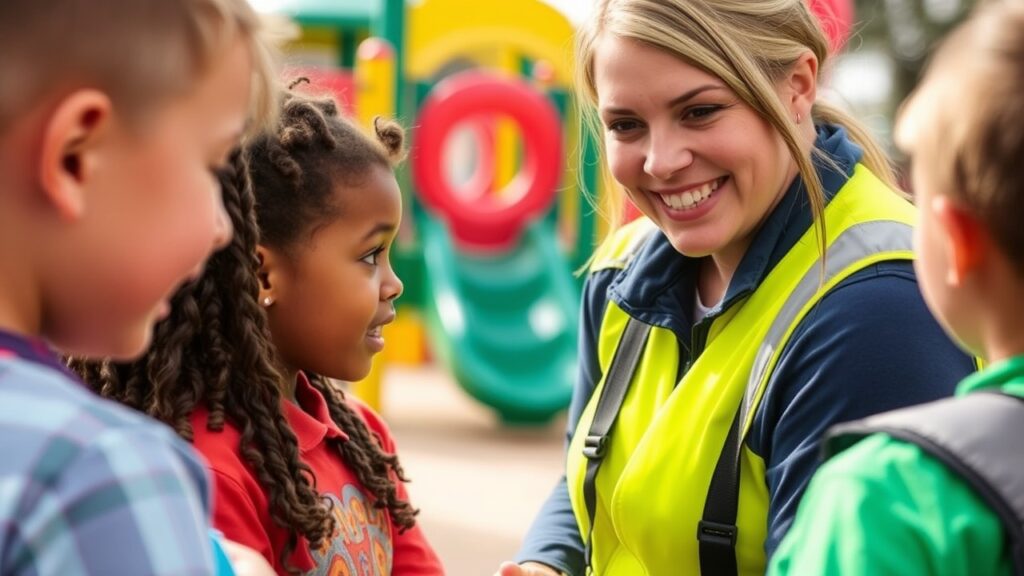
x=268, y=301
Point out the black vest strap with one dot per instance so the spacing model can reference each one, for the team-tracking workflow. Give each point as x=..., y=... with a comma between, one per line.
x=716, y=532
x=616, y=384
x=977, y=436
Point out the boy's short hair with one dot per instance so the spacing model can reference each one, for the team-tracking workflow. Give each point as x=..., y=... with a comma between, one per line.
x=968, y=119
x=140, y=52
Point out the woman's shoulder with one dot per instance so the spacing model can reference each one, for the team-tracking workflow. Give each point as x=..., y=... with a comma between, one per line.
x=618, y=248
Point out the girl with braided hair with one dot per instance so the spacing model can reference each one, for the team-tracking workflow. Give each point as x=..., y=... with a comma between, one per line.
x=304, y=473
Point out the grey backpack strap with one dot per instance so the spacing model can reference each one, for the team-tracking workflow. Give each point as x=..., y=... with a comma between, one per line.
x=613, y=394
x=979, y=436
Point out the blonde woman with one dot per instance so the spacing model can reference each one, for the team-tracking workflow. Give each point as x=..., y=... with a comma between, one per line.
x=767, y=294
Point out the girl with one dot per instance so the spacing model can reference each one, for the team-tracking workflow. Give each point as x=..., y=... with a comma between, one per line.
x=768, y=293
x=304, y=473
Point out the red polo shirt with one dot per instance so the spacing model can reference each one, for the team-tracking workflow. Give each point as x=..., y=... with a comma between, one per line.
x=364, y=541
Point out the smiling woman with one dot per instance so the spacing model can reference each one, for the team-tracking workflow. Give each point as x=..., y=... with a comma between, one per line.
x=767, y=293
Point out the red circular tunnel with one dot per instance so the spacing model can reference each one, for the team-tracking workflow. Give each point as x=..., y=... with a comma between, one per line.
x=486, y=218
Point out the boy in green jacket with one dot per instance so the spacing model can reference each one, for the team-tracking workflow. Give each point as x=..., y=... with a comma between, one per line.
x=885, y=506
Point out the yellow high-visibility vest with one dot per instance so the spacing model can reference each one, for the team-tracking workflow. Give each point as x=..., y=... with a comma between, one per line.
x=653, y=480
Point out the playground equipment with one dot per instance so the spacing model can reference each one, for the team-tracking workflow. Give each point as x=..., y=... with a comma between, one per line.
x=501, y=302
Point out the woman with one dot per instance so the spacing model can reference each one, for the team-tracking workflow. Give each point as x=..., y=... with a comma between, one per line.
x=767, y=294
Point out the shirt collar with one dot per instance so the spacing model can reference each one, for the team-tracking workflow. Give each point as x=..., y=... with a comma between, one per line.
x=1007, y=375
x=310, y=417
x=31, y=349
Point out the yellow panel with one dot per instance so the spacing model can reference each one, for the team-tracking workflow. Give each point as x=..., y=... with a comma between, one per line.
x=440, y=30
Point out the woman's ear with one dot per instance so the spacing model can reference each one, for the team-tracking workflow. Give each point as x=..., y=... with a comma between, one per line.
x=799, y=88
x=965, y=238
x=269, y=275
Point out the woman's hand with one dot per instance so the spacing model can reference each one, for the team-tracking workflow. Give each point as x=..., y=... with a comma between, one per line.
x=526, y=569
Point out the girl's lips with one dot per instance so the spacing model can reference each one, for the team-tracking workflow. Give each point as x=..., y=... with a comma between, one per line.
x=375, y=335
x=375, y=340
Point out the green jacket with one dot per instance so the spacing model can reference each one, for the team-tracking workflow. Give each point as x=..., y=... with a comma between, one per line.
x=885, y=507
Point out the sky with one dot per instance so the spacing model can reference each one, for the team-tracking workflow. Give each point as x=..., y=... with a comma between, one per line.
x=576, y=10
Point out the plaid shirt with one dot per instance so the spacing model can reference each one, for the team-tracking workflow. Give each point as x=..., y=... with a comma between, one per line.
x=90, y=487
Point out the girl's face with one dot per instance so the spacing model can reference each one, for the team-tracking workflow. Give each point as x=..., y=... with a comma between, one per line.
x=334, y=293
x=692, y=156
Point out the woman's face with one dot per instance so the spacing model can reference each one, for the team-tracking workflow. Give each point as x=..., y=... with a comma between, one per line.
x=692, y=156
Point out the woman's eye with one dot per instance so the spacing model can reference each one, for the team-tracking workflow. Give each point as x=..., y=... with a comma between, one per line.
x=700, y=112
x=623, y=126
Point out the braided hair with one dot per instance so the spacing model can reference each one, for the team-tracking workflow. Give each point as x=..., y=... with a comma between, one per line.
x=295, y=169
x=214, y=350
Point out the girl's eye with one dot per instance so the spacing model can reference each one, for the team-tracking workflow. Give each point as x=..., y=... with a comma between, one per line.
x=373, y=256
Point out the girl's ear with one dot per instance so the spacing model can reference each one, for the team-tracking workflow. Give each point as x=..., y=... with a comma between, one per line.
x=965, y=237
x=270, y=276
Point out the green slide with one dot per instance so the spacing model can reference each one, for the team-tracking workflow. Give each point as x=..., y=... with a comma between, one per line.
x=505, y=324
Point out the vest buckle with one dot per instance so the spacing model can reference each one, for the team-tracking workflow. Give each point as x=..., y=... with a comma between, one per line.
x=716, y=534
x=594, y=446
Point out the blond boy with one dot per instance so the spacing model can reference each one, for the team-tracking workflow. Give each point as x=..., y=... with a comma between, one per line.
x=112, y=115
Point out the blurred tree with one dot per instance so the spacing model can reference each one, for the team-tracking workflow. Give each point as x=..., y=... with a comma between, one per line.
x=908, y=29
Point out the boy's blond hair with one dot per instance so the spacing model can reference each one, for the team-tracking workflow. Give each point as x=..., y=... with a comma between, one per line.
x=967, y=118
x=140, y=52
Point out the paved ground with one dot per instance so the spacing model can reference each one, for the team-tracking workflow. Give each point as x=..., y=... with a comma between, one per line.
x=478, y=485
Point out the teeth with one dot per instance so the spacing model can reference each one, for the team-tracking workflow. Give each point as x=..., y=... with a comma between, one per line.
x=690, y=198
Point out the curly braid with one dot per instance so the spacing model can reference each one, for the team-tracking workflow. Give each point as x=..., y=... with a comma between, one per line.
x=214, y=350
x=294, y=171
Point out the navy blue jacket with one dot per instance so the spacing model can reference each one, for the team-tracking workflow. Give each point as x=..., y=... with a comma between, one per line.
x=868, y=346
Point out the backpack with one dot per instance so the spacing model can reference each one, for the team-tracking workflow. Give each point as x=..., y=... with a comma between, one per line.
x=980, y=437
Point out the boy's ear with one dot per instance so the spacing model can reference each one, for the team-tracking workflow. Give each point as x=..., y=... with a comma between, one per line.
x=965, y=237
x=70, y=137
x=270, y=274
x=800, y=86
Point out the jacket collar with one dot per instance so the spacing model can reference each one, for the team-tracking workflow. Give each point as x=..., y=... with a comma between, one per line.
x=658, y=286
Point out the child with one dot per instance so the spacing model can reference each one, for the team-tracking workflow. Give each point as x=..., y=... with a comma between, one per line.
x=304, y=473
x=112, y=113
x=886, y=506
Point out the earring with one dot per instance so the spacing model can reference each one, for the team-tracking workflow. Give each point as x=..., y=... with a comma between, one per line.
x=268, y=301
x=798, y=117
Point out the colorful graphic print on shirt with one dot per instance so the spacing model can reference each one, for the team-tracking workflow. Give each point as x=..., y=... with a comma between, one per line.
x=361, y=544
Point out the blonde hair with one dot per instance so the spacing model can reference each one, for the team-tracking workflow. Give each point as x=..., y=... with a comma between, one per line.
x=140, y=52
x=749, y=45
x=969, y=116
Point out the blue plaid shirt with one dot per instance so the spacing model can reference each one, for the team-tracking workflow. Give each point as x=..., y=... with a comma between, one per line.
x=88, y=486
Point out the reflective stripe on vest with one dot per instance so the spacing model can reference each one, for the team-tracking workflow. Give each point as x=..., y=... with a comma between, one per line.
x=660, y=456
